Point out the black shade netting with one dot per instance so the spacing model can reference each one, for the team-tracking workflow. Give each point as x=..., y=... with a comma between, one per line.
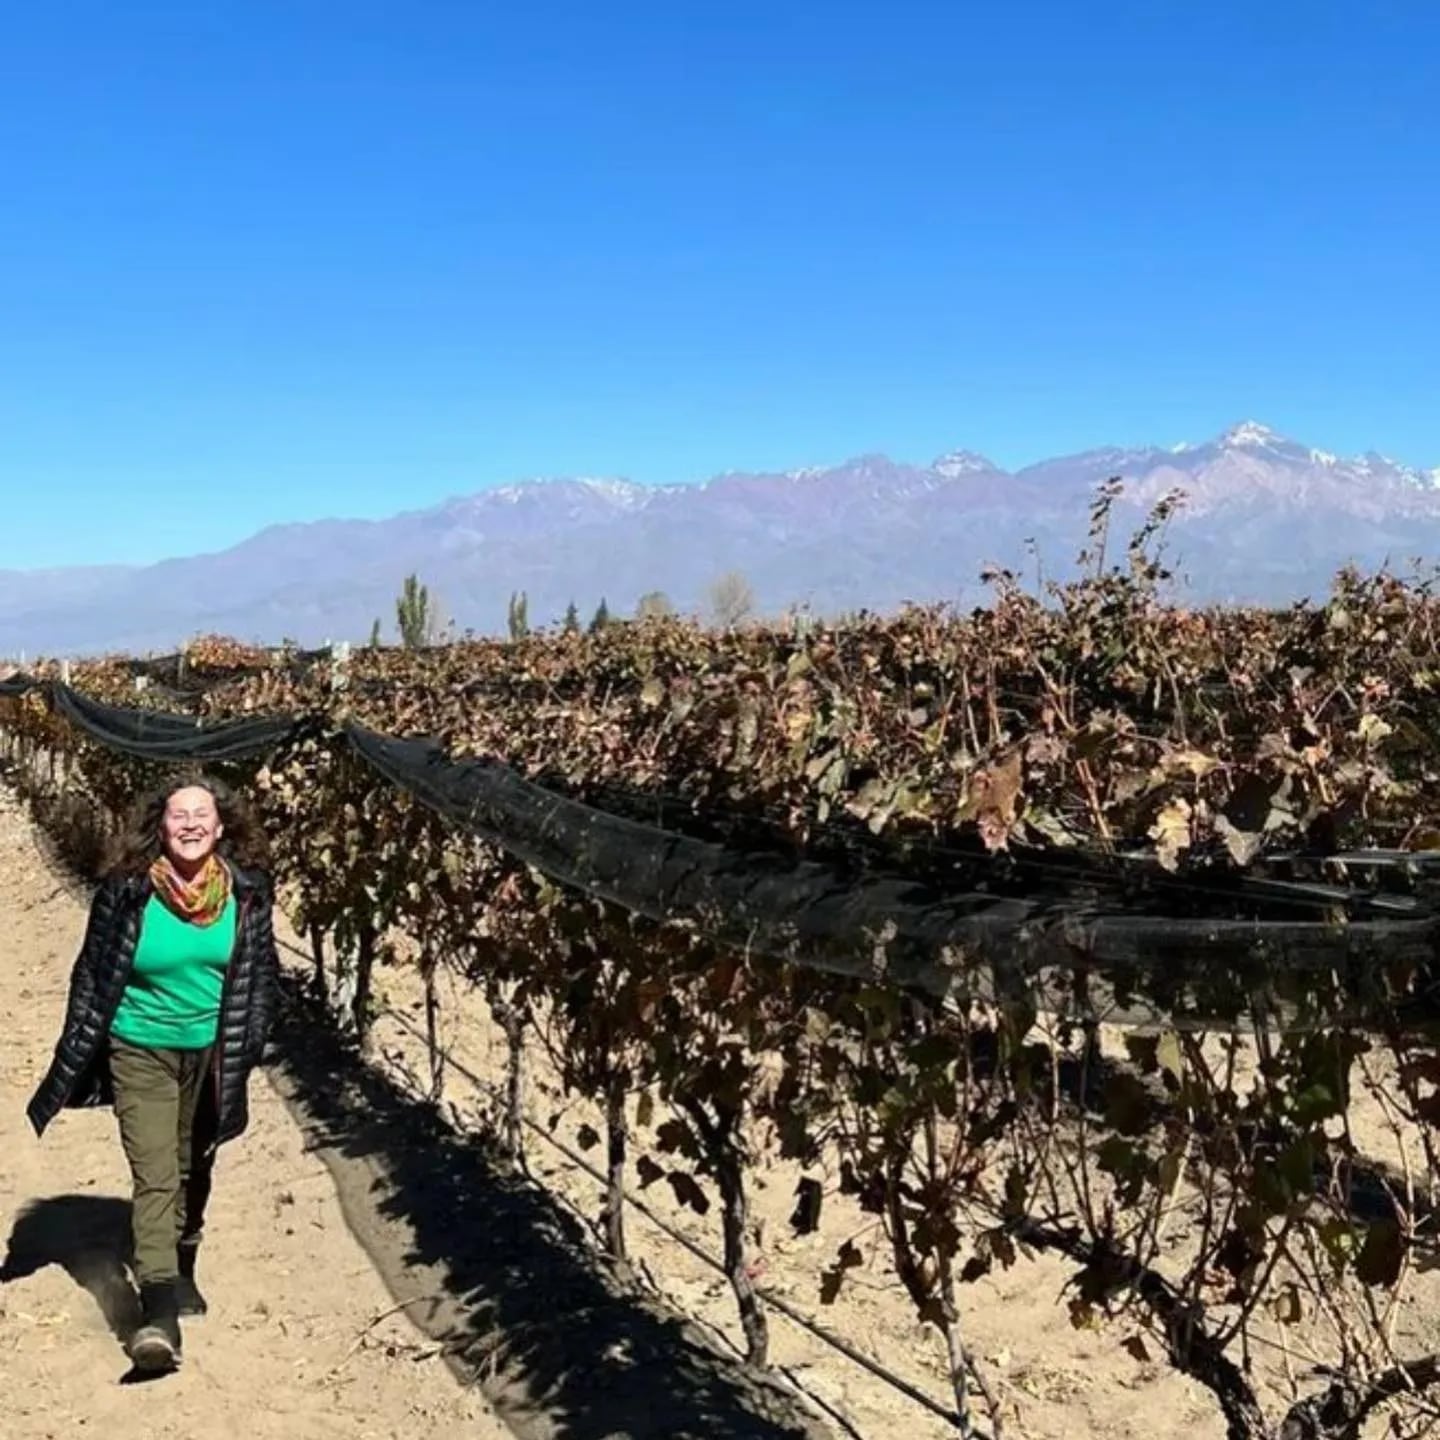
x=1065, y=946
x=1055, y=938
x=155, y=735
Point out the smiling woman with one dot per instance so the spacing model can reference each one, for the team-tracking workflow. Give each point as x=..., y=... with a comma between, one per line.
x=170, y=1001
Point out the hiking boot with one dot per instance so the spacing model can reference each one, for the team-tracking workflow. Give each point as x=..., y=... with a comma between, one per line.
x=189, y=1300
x=155, y=1346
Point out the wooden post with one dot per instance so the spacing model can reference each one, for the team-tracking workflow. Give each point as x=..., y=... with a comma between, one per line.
x=432, y=1029
x=364, y=970
x=318, y=983
x=616, y=1135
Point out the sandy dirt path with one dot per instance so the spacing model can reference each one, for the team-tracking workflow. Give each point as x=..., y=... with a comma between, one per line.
x=300, y=1342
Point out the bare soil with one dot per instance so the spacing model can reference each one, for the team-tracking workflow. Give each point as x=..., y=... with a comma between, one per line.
x=1055, y=1382
x=302, y=1341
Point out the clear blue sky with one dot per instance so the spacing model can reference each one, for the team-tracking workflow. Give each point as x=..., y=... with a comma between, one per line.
x=264, y=261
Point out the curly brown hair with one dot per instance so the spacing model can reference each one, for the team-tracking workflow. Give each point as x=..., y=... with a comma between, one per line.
x=138, y=844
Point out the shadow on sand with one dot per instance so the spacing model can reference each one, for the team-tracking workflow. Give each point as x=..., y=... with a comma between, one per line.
x=504, y=1279
x=88, y=1236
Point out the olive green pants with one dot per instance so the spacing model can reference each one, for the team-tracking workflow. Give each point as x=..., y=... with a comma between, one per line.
x=165, y=1102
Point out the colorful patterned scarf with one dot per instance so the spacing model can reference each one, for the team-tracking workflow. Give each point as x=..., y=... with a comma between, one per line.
x=200, y=901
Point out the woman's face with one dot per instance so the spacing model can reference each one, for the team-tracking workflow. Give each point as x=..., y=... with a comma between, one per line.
x=190, y=827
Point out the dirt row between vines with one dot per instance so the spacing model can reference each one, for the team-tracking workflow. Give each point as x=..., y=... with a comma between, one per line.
x=300, y=1343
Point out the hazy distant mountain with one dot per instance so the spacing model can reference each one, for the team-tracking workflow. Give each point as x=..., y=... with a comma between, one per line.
x=1266, y=519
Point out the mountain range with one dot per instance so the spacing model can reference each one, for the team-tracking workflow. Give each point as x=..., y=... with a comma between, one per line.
x=1264, y=520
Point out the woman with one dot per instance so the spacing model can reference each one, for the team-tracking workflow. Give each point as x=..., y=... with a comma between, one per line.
x=169, y=1005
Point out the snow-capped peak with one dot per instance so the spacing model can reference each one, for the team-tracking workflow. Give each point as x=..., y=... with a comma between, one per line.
x=961, y=462
x=1249, y=434
x=624, y=493
x=1421, y=479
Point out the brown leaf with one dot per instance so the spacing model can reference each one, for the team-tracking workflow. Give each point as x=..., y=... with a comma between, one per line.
x=993, y=799
x=1171, y=832
x=1243, y=845
x=1192, y=762
x=1135, y=1346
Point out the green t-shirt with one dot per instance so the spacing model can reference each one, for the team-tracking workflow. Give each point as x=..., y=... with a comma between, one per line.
x=172, y=1000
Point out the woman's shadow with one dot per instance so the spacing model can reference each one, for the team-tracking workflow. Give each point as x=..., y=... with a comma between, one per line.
x=88, y=1236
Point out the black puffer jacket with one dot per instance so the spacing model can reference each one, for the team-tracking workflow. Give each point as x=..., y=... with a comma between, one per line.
x=79, y=1075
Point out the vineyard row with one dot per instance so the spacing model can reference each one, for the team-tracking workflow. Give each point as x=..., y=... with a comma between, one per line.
x=1216, y=1196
